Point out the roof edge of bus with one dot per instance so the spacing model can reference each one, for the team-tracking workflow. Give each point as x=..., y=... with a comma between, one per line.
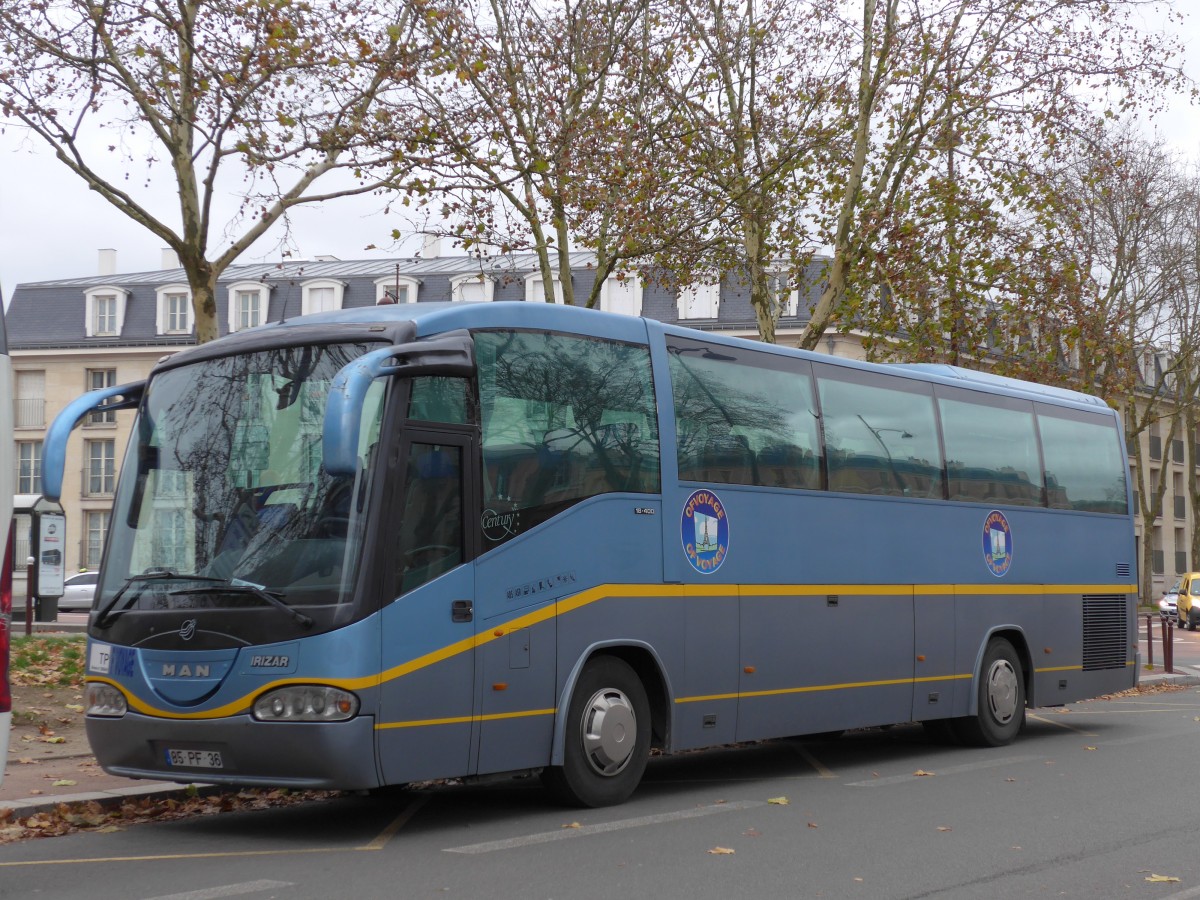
x=957, y=373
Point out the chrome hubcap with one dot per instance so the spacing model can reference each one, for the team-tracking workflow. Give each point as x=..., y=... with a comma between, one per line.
x=609, y=731
x=1002, y=693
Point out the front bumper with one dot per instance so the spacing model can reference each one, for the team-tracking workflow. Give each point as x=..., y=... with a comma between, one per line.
x=297, y=755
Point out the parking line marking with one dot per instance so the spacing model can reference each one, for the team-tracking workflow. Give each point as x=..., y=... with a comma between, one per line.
x=813, y=761
x=228, y=890
x=1061, y=724
x=400, y=821
x=566, y=833
x=952, y=770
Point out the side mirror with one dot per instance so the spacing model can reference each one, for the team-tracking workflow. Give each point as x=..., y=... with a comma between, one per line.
x=452, y=353
x=54, y=452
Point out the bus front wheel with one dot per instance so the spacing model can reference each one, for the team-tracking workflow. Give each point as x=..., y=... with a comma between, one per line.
x=607, y=740
x=1001, y=696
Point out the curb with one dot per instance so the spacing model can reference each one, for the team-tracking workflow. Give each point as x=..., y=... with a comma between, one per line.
x=108, y=799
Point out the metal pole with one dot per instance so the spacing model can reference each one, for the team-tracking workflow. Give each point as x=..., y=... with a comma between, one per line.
x=1169, y=646
x=1149, y=640
x=29, y=596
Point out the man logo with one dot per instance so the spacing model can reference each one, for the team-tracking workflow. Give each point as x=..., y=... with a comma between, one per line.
x=188, y=629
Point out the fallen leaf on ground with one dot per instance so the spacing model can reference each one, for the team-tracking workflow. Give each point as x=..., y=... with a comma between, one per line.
x=1158, y=879
x=945, y=828
x=921, y=773
x=571, y=825
x=721, y=851
x=779, y=801
x=64, y=782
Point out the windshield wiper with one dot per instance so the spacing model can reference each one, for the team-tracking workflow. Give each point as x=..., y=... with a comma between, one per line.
x=243, y=587
x=103, y=616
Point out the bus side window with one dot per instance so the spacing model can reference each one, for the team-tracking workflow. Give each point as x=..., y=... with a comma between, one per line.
x=743, y=418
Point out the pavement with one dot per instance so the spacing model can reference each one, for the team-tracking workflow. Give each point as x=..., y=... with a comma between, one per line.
x=68, y=776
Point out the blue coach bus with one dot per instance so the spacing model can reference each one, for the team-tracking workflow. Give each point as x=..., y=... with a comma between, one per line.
x=387, y=545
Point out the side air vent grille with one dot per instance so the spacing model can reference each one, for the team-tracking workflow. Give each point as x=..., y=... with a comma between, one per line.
x=1123, y=570
x=1105, y=632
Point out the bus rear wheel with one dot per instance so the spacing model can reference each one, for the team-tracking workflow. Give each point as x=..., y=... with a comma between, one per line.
x=607, y=741
x=1001, y=699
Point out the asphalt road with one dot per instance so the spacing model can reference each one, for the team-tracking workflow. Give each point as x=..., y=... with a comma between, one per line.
x=1092, y=801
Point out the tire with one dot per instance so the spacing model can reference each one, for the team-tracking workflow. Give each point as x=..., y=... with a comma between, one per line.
x=607, y=739
x=1001, y=697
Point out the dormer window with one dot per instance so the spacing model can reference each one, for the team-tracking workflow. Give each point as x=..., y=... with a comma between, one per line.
x=396, y=289
x=478, y=287
x=105, y=311
x=534, y=292
x=247, y=304
x=321, y=295
x=699, y=301
x=174, y=309
x=622, y=295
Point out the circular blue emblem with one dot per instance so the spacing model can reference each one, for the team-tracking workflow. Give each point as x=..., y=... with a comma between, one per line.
x=997, y=544
x=704, y=530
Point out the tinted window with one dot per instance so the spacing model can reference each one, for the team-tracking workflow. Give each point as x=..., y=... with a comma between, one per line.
x=1084, y=468
x=430, y=540
x=439, y=399
x=743, y=417
x=879, y=439
x=991, y=449
x=564, y=418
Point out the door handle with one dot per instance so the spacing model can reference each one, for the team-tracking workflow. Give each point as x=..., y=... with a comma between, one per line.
x=462, y=611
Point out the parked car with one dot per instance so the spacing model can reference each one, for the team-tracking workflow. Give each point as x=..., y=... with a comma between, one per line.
x=78, y=591
x=1168, y=605
x=1187, y=603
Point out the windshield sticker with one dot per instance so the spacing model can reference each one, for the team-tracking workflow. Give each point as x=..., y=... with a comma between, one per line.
x=997, y=544
x=704, y=529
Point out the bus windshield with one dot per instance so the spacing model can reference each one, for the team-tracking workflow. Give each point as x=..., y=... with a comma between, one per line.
x=223, y=503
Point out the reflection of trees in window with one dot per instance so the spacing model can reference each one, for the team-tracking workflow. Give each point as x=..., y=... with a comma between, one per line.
x=235, y=426
x=742, y=423
x=564, y=418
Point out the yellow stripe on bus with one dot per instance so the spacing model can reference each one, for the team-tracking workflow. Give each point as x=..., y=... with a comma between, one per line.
x=615, y=592
x=463, y=720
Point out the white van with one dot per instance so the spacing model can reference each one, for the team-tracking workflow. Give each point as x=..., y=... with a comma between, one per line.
x=6, y=536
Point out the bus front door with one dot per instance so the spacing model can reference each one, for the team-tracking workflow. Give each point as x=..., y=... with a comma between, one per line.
x=426, y=714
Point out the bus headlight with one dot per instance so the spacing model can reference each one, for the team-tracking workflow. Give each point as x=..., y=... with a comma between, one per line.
x=306, y=703
x=105, y=700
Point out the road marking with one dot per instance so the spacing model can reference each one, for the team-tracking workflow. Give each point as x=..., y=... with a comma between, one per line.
x=567, y=833
x=228, y=890
x=167, y=856
x=1184, y=895
x=393, y=829
x=813, y=761
x=952, y=770
x=1059, y=721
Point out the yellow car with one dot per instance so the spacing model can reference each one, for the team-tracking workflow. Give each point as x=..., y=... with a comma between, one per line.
x=1187, y=606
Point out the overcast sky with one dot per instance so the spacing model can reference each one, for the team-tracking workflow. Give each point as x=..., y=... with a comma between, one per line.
x=52, y=227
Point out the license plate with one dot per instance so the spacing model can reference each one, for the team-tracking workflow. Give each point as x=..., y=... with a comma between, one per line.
x=195, y=759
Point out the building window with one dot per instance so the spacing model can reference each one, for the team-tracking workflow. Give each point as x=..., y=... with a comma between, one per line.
x=247, y=304
x=622, y=294
x=535, y=293
x=29, y=407
x=100, y=476
x=472, y=288
x=97, y=527
x=105, y=311
x=322, y=295
x=174, y=313
x=98, y=379
x=29, y=467
x=699, y=301
x=396, y=289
